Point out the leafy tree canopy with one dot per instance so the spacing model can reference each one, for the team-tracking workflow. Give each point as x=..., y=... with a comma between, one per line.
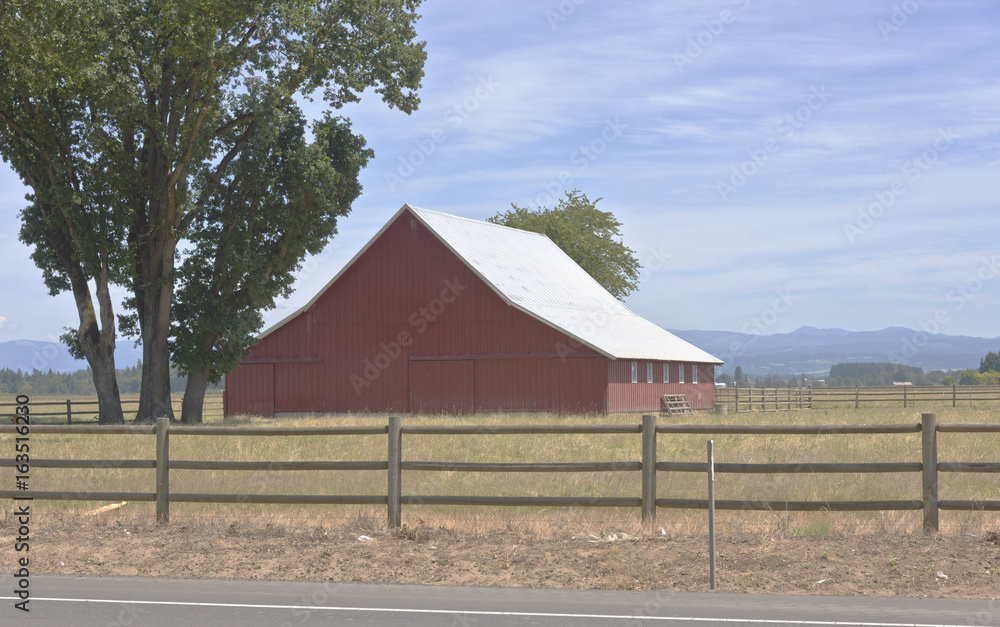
x=131, y=119
x=589, y=236
x=991, y=362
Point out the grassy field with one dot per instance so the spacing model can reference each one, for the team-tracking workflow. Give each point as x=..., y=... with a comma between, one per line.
x=546, y=448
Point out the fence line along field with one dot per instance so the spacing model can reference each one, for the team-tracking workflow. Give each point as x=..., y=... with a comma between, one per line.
x=70, y=409
x=906, y=396
x=560, y=448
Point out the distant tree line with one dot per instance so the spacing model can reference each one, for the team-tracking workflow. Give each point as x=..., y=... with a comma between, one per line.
x=81, y=382
x=742, y=380
x=880, y=374
x=876, y=374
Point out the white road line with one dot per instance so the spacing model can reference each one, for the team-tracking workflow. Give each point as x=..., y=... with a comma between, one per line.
x=332, y=608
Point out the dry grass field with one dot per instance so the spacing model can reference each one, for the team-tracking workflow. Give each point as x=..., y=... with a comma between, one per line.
x=831, y=553
x=547, y=448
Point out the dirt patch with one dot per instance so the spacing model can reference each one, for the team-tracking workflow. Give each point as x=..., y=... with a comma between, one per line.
x=960, y=565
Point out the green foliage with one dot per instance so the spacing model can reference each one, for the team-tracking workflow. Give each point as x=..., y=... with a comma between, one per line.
x=990, y=362
x=589, y=236
x=879, y=374
x=280, y=201
x=973, y=377
x=948, y=380
x=80, y=382
x=133, y=122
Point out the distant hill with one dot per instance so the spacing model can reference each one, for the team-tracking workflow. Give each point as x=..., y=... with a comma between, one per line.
x=813, y=350
x=806, y=349
x=28, y=355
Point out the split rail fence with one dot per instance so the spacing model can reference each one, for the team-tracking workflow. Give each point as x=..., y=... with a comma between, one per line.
x=782, y=399
x=394, y=499
x=85, y=412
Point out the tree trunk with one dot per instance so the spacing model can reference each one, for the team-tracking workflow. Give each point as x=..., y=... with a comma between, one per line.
x=194, y=396
x=155, y=264
x=96, y=341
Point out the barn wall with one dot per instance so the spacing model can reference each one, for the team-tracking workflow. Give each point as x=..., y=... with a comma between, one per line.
x=625, y=396
x=252, y=392
x=407, y=298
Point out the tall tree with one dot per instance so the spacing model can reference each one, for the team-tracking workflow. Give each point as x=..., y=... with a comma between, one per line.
x=280, y=201
x=76, y=216
x=991, y=362
x=590, y=237
x=170, y=93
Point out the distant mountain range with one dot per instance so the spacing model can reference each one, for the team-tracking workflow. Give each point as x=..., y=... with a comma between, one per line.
x=28, y=355
x=813, y=351
x=806, y=349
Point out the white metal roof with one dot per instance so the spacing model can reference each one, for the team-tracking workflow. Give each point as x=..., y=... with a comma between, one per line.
x=529, y=272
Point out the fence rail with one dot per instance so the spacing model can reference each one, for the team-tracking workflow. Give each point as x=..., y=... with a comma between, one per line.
x=784, y=399
x=393, y=499
x=76, y=411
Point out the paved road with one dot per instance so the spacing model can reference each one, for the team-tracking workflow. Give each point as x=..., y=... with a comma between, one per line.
x=62, y=601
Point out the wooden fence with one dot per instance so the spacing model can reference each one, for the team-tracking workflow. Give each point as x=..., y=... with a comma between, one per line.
x=85, y=412
x=781, y=399
x=393, y=499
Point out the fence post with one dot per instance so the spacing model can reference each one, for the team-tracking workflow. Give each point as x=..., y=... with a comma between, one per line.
x=395, y=474
x=954, y=398
x=751, y=398
x=69, y=412
x=928, y=442
x=737, y=403
x=162, y=470
x=648, y=469
x=904, y=397
x=711, y=515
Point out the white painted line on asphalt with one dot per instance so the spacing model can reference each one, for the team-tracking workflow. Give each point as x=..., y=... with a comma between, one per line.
x=332, y=608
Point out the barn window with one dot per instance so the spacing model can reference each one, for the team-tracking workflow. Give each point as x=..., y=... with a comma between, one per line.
x=649, y=372
x=694, y=373
x=680, y=373
x=666, y=373
x=635, y=373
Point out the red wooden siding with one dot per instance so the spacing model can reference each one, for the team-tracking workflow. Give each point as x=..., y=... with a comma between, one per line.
x=625, y=396
x=442, y=387
x=252, y=392
x=408, y=296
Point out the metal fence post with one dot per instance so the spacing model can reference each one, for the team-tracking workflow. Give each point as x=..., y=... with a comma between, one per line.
x=711, y=514
x=395, y=474
x=928, y=441
x=163, y=470
x=648, y=469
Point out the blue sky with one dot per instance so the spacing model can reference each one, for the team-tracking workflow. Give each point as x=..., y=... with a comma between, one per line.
x=775, y=164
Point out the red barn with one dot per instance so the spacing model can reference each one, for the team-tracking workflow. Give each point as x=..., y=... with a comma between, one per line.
x=439, y=313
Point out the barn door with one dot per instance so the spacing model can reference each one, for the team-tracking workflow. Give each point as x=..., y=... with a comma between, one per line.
x=442, y=387
x=254, y=390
